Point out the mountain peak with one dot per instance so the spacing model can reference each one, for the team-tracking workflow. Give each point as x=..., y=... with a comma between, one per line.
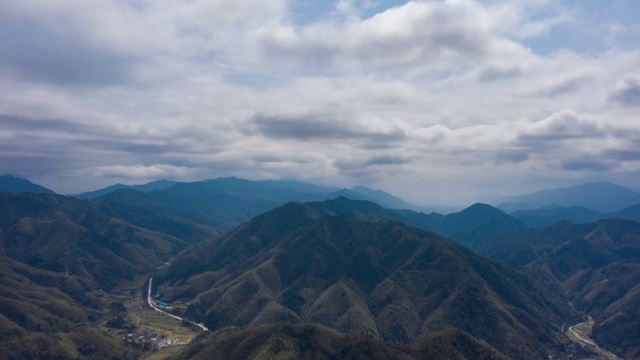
x=354, y=276
x=480, y=207
x=11, y=183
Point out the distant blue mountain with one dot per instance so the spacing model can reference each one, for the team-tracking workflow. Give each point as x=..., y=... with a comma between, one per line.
x=385, y=199
x=551, y=215
x=276, y=191
x=295, y=186
x=13, y=184
x=598, y=196
x=152, y=186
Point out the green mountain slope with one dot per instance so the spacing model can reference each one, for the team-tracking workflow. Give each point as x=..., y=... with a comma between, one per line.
x=598, y=267
x=62, y=234
x=474, y=227
x=58, y=257
x=297, y=265
x=313, y=341
x=46, y=315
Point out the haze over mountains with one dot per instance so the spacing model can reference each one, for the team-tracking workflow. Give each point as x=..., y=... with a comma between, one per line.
x=303, y=269
x=599, y=196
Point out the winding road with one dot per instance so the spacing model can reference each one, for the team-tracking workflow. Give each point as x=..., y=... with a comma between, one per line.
x=579, y=337
x=150, y=301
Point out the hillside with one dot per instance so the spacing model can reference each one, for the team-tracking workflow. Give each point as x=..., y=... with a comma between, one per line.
x=312, y=341
x=45, y=315
x=474, y=227
x=60, y=258
x=16, y=185
x=61, y=234
x=598, y=267
x=155, y=211
x=296, y=265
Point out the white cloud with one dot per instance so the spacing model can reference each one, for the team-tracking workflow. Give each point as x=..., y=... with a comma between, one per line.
x=438, y=92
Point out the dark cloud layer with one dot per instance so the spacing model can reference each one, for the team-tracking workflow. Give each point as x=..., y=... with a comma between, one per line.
x=325, y=127
x=589, y=164
x=59, y=55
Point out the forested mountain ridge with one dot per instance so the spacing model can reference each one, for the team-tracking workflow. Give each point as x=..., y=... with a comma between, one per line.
x=295, y=264
x=59, y=258
x=598, y=267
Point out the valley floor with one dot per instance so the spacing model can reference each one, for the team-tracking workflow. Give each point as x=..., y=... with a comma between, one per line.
x=163, y=335
x=581, y=335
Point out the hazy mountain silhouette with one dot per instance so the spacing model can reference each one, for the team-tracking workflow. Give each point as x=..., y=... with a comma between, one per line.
x=550, y=215
x=385, y=199
x=148, y=187
x=295, y=264
x=599, y=196
x=219, y=203
x=17, y=185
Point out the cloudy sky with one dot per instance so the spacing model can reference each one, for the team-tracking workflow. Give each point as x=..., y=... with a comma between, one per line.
x=435, y=101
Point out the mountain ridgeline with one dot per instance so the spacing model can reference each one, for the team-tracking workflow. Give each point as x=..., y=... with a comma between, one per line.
x=302, y=263
x=337, y=273
x=600, y=196
x=13, y=184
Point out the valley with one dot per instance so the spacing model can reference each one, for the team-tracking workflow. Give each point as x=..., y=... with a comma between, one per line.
x=581, y=334
x=162, y=275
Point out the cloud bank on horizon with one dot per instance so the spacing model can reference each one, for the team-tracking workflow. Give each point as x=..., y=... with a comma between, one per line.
x=432, y=100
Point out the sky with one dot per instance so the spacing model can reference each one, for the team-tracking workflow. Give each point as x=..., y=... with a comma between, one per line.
x=435, y=101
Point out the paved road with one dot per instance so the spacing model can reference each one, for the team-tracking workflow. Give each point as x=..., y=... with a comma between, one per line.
x=582, y=339
x=150, y=301
x=586, y=341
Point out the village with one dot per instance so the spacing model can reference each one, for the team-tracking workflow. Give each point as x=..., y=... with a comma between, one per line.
x=152, y=340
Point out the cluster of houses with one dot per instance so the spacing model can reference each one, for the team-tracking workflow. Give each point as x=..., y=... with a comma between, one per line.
x=165, y=304
x=154, y=341
x=156, y=297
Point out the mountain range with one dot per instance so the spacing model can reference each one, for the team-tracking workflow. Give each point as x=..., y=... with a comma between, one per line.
x=331, y=274
x=600, y=196
x=554, y=214
x=597, y=266
x=301, y=263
